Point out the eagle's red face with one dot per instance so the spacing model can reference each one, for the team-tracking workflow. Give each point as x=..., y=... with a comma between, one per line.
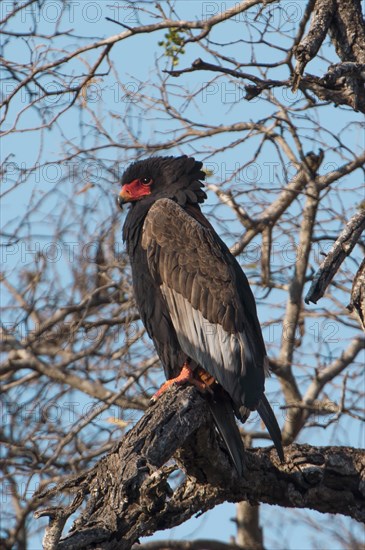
x=135, y=190
x=177, y=178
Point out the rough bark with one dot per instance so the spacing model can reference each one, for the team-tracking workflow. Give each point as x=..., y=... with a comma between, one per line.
x=343, y=84
x=308, y=48
x=128, y=494
x=339, y=251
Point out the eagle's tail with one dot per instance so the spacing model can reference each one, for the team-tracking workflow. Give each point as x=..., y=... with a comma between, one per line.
x=221, y=409
x=267, y=415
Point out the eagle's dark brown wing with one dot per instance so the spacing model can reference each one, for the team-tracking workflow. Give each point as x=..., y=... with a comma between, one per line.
x=200, y=282
x=211, y=308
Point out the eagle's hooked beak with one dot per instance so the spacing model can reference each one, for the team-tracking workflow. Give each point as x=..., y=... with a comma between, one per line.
x=134, y=191
x=120, y=202
x=123, y=197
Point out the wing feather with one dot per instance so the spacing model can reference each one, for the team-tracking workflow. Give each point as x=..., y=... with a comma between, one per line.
x=200, y=282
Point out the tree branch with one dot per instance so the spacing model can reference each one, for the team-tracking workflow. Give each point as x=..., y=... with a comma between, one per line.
x=308, y=48
x=249, y=532
x=200, y=544
x=128, y=492
x=339, y=251
x=294, y=309
x=333, y=369
x=272, y=213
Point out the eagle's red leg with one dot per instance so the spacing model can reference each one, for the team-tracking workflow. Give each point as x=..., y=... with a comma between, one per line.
x=203, y=382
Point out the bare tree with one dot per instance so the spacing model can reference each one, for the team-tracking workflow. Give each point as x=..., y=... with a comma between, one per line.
x=89, y=87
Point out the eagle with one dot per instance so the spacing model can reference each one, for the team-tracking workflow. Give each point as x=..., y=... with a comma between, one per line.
x=193, y=297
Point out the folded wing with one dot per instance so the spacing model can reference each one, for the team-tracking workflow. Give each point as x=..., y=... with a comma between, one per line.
x=200, y=282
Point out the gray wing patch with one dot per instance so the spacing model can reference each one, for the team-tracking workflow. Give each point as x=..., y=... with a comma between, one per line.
x=220, y=353
x=199, y=289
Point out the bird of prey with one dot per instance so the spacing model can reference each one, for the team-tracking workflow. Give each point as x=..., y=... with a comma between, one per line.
x=193, y=297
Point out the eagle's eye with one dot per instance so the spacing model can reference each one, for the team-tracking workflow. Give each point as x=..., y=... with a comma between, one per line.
x=146, y=181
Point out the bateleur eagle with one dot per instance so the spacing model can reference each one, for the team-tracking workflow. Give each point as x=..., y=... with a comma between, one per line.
x=192, y=295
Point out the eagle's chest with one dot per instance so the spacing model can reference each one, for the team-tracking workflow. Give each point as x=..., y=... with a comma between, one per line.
x=146, y=292
x=154, y=313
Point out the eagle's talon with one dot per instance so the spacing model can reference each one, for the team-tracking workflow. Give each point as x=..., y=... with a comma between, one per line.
x=186, y=376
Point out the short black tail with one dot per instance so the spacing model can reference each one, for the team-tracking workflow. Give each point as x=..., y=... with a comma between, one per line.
x=221, y=409
x=267, y=415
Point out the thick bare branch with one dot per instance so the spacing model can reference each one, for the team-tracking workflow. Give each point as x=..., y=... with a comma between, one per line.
x=339, y=93
x=340, y=250
x=294, y=307
x=249, y=532
x=309, y=46
x=348, y=31
x=130, y=495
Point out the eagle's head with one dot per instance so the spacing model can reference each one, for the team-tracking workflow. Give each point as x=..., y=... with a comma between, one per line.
x=177, y=178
